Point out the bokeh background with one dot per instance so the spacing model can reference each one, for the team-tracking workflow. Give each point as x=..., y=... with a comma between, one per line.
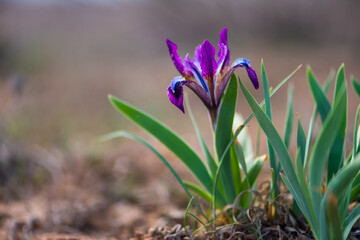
x=59, y=59
x=74, y=53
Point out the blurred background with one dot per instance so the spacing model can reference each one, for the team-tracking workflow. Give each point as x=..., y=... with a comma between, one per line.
x=73, y=53
x=59, y=59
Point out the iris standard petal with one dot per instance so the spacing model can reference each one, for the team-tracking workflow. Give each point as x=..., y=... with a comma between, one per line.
x=221, y=65
x=196, y=73
x=175, y=57
x=224, y=53
x=244, y=63
x=208, y=63
x=197, y=57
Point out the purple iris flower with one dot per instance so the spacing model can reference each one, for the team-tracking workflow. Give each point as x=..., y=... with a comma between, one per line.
x=205, y=75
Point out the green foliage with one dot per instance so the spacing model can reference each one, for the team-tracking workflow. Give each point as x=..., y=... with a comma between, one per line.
x=324, y=206
x=234, y=165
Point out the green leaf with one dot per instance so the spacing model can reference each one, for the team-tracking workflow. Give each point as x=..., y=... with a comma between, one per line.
x=209, y=159
x=168, y=138
x=283, y=155
x=336, y=158
x=321, y=148
x=244, y=139
x=323, y=105
x=254, y=171
x=275, y=177
x=301, y=143
x=199, y=191
x=223, y=134
x=356, y=133
x=351, y=220
x=356, y=85
x=342, y=180
x=326, y=86
x=334, y=221
x=238, y=131
x=241, y=157
x=289, y=117
x=355, y=192
x=128, y=135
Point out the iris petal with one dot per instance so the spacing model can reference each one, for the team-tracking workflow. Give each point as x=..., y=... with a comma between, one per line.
x=195, y=71
x=244, y=63
x=175, y=92
x=197, y=57
x=208, y=63
x=175, y=57
x=224, y=53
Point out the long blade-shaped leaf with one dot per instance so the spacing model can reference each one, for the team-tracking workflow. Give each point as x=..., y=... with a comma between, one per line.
x=326, y=86
x=289, y=117
x=356, y=137
x=254, y=171
x=275, y=177
x=321, y=148
x=341, y=181
x=168, y=138
x=356, y=85
x=334, y=226
x=199, y=191
x=282, y=153
x=351, y=220
x=238, y=131
x=210, y=160
x=301, y=143
x=223, y=134
x=128, y=135
x=323, y=105
x=336, y=158
x=244, y=140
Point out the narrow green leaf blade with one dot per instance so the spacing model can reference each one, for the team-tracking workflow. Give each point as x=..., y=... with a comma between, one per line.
x=356, y=85
x=321, y=148
x=351, y=220
x=223, y=134
x=336, y=156
x=241, y=157
x=356, y=136
x=212, y=165
x=289, y=117
x=301, y=142
x=199, y=191
x=282, y=153
x=254, y=171
x=323, y=105
x=168, y=138
x=333, y=219
x=128, y=135
x=342, y=180
x=326, y=86
x=275, y=177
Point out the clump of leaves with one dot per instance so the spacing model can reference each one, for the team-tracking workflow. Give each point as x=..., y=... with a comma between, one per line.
x=323, y=202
